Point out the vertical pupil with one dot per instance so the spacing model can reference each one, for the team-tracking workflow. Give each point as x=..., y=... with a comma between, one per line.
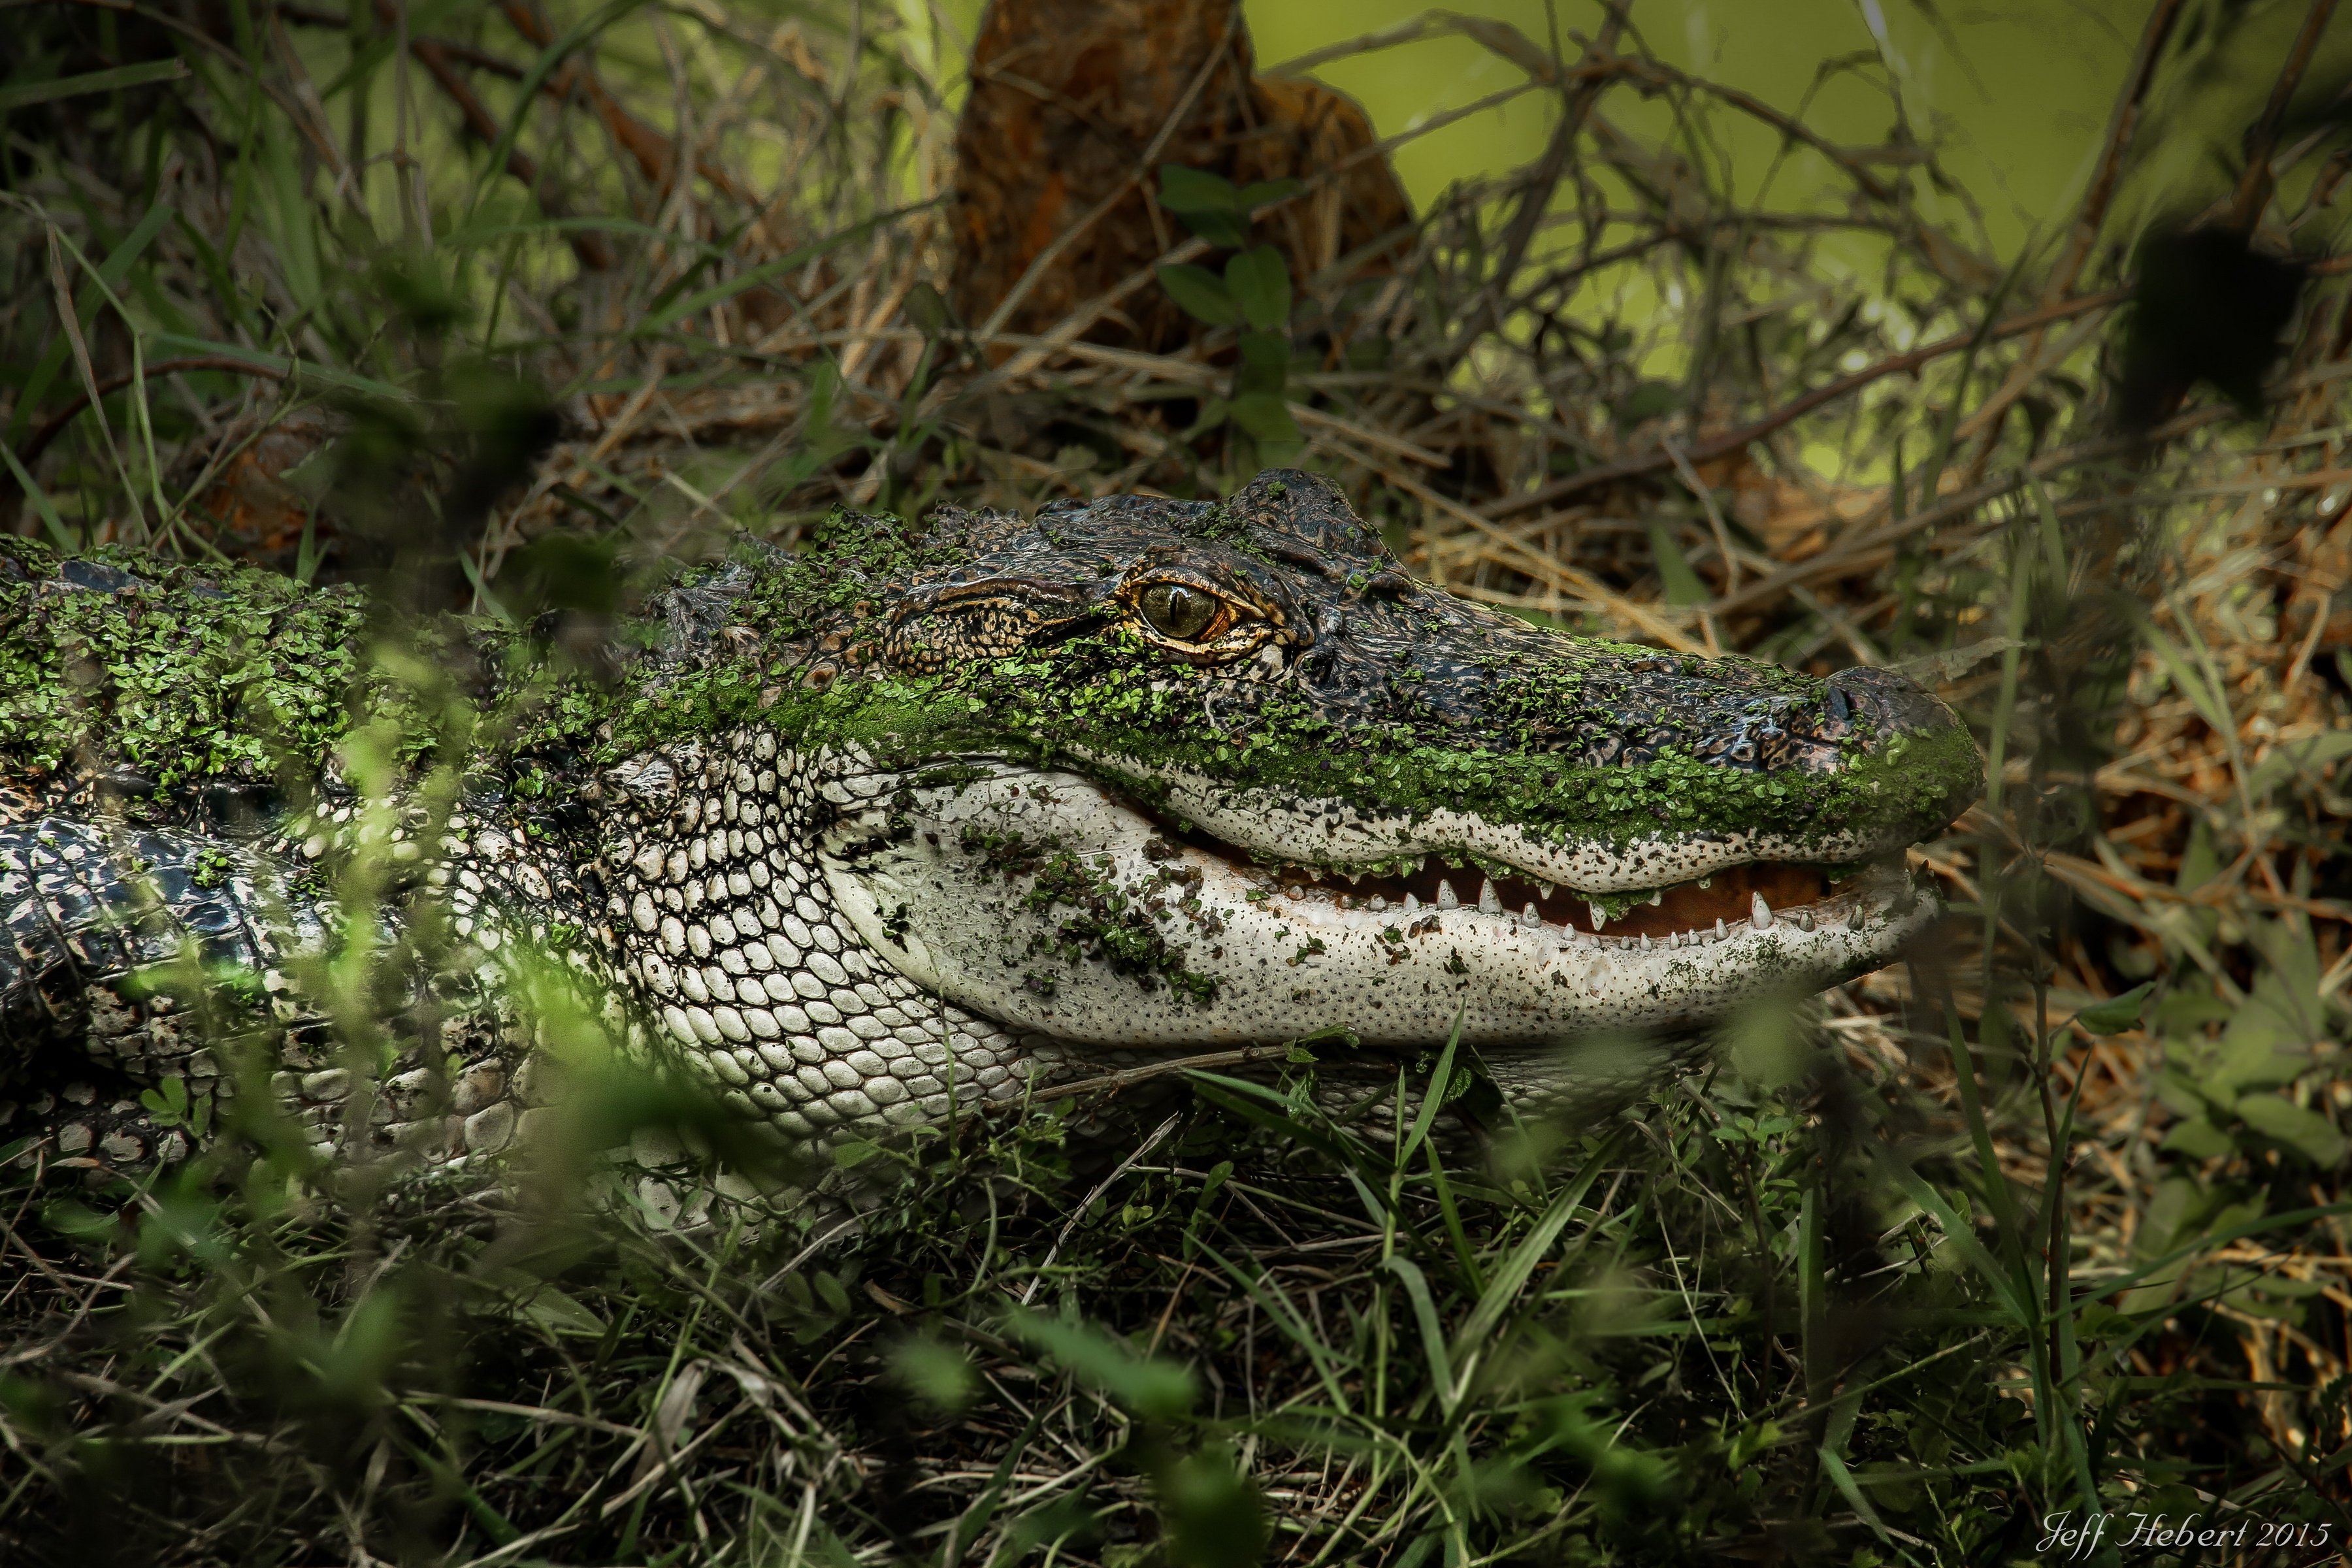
x=1178, y=611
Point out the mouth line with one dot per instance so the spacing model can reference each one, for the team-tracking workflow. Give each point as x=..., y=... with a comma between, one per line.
x=1753, y=894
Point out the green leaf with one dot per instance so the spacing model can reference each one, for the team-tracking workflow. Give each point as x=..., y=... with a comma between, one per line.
x=1651, y=400
x=1266, y=416
x=1207, y=203
x=2200, y=862
x=938, y=1374
x=928, y=310
x=2264, y=1045
x=68, y=1217
x=167, y=1103
x=26, y=94
x=542, y=1305
x=2306, y=1132
x=1258, y=280
x=2197, y=1138
x=1144, y=1384
x=1682, y=585
x=1502, y=1291
x=1202, y=295
x=2210, y=704
x=2116, y=1013
x=2300, y=759
x=1216, y=1517
x=1253, y=196
x=1187, y=190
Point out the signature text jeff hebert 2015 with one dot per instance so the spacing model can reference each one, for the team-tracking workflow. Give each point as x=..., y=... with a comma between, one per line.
x=2080, y=1534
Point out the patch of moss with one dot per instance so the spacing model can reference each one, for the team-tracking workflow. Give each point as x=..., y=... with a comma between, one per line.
x=182, y=674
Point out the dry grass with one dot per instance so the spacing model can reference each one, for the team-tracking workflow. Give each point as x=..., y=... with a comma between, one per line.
x=1803, y=1307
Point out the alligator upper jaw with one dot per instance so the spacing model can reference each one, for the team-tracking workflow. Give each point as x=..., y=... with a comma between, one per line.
x=1309, y=848
x=1281, y=826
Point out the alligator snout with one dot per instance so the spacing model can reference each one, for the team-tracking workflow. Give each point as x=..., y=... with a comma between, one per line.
x=1887, y=702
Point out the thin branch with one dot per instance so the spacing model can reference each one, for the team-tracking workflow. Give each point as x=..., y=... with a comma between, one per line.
x=2254, y=192
x=1796, y=408
x=440, y=61
x=56, y=423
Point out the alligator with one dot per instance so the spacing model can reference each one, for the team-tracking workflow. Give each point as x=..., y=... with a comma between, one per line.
x=913, y=819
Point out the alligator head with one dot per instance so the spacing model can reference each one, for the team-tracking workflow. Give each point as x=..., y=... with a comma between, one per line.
x=1149, y=772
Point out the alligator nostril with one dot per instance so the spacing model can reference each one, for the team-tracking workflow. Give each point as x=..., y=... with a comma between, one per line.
x=1839, y=709
x=1889, y=702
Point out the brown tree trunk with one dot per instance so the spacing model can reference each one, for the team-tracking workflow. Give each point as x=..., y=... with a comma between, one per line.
x=1069, y=101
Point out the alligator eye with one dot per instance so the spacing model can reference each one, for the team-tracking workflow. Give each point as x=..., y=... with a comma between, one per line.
x=1180, y=612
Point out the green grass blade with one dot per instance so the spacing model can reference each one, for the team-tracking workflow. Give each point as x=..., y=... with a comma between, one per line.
x=64, y=537
x=1432, y=1332
x=24, y=95
x=110, y=272
x=1432, y=1097
x=1503, y=1289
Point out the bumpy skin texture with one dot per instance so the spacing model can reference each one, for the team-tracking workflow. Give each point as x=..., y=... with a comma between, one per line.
x=917, y=818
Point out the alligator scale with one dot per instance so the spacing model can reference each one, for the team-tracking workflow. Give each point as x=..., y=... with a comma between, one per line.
x=916, y=817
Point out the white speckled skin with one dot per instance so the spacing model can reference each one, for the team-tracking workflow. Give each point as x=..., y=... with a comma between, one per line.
x=735, y=941
x=815, y=941
x=1282, y=967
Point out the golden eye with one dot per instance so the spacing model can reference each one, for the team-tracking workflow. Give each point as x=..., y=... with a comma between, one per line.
x=1178, y=611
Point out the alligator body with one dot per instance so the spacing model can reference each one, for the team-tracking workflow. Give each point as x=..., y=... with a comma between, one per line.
x=913, y=819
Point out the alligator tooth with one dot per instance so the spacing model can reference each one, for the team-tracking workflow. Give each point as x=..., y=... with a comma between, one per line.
x=1719, y=931
x=1488, y=904
x=1445, y=898
x=1853, y=918
x=1760, y=913
x=1645, y=942
x=1354, y=878
x=1410, y=903
x=1706, y=881
x=1294, y=891
x=1657, y=897
x=1804, y=918
x=1376, y=903
x=1600, y=915
x=1544, y=890
x=1531, y=916
x=1346, y=902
